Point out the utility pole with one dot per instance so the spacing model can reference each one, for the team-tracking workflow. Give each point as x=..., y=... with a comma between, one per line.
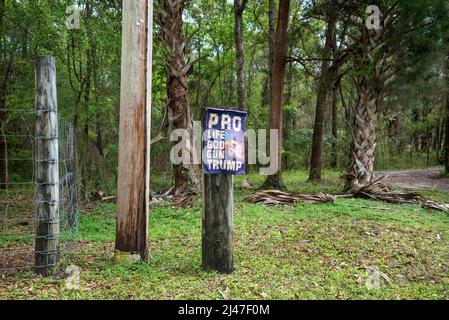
x=135, y=123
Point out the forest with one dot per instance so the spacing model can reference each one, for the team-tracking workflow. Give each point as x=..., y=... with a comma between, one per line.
x=357, y=92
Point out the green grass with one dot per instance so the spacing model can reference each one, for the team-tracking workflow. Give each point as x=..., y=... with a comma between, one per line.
x=306, y=252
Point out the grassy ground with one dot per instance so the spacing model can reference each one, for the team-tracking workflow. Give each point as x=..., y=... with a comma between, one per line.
x=308, y=252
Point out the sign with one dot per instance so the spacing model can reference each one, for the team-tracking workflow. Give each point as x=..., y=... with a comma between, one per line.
x=224, y=142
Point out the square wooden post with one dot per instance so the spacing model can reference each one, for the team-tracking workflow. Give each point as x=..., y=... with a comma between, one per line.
x=218, y=224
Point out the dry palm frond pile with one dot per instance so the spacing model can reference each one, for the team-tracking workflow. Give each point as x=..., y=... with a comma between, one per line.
x=273, y=197
x=378, y=191
x=375, y=191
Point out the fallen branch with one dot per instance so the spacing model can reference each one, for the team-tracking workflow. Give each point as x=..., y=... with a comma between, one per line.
x=108, y=199
x=102, y=196
x=431, y=205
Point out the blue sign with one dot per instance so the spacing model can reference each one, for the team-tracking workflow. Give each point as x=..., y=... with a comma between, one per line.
x=224, y=142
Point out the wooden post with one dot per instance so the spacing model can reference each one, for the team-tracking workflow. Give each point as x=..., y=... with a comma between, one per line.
x=135, y=124
x=47, y=167
x=218, y=203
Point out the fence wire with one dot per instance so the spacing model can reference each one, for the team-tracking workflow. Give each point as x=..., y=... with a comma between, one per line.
x=18, y=191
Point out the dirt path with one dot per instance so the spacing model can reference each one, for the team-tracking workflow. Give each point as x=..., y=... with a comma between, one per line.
x=427, y=179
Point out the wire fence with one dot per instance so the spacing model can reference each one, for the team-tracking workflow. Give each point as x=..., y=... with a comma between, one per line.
x=21, y=192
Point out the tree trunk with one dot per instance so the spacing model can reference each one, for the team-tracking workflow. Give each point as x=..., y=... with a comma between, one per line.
x=271, y=41
x=446, y=141
x=436, y=141
x=277, y=88
x=2, y=12
x=96, y=89
x=369, y=86
x=364, y=136
x=85, y=171
x=288, y=114
x=3, y=150
x=324, y=86
x=239, y=8
x=187, y=176
x=271, y=35
x=334, y=155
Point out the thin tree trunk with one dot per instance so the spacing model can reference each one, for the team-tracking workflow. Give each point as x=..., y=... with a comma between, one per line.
x=334, y=156
x=2, y=12
x=187, y=176
x=239, y=8
x=85, y=172
x=96, y=94
x=287, y=114
x=271, y=35
x=277, y=88
x=446, y=141
x=442, y=138
x=3, y=150
x=324, y=86
x=265, y=94
x=199, y=81
x=428, y=145
x=438, y=140
x=4, y=81
x=271, y=38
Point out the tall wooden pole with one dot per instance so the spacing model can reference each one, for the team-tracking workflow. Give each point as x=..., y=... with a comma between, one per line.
x=47, y=167
x=135, y=124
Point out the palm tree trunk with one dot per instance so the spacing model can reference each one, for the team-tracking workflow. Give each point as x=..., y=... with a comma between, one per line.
x=364, y=128
x=369, y=84
x=187, y=177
